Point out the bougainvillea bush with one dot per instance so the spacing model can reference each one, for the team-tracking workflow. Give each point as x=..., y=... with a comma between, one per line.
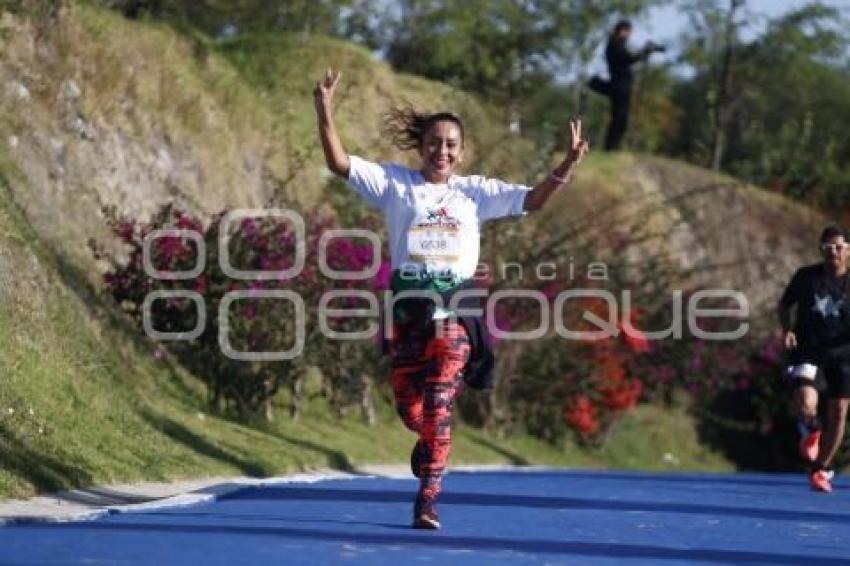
x=253, y=323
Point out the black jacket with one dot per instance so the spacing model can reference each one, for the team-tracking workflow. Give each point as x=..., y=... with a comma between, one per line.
x=620, y=61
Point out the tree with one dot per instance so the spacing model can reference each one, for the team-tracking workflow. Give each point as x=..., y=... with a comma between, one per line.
x=721, y=106
x=786, y=88
x=212, y=16
x=710, y=46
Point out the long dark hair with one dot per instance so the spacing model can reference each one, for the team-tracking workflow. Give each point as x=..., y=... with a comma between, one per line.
x=406, y=127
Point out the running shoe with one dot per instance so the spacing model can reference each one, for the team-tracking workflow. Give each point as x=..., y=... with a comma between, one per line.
x=819, y=481
x=809, y=446
x=416, y=459
x=425, y=515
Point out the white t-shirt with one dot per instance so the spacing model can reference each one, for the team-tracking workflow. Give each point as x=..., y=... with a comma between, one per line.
x=434, y=227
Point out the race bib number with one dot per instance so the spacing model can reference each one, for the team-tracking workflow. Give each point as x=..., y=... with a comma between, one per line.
x=434, y=245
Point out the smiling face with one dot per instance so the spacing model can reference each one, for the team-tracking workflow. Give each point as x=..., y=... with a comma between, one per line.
x=441, y=151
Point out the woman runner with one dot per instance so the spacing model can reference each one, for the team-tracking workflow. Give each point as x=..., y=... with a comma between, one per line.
x=433, y=218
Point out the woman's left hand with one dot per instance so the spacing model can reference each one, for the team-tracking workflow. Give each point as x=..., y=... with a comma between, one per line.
x=578, y=145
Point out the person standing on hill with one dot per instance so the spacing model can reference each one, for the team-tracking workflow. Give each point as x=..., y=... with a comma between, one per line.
x=433, y=218
x=619, y=87
x=816, y=340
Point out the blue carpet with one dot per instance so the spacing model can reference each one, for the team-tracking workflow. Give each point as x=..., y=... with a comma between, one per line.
x=536, y=517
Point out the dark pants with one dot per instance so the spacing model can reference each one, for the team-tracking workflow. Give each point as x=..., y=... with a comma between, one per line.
x=620, y=95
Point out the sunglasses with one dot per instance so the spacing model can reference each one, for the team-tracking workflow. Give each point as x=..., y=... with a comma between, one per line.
x=834, y=248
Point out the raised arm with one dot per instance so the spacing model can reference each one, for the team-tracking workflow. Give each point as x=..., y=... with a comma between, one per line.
x=335, y=155
x=562, y=174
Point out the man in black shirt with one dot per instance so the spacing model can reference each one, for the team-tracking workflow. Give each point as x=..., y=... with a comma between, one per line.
x=817, y=345
x=619, y=88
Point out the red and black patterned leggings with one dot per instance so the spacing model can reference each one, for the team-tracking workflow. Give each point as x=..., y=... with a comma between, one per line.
x=427, y=377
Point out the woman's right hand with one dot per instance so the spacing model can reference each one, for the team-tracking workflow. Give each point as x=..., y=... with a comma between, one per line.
x=790, y=340
x=324, y=91
x=335, y=155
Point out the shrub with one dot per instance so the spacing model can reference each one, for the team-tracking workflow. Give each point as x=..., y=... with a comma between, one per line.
x=253, y=323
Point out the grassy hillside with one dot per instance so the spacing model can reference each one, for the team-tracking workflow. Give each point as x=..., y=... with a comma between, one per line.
x=99, y=110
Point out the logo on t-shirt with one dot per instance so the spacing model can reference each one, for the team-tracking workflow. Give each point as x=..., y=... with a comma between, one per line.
x=827, y=306
x=440, y=217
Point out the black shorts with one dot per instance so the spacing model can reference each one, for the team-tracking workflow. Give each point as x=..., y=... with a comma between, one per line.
x=837, y=374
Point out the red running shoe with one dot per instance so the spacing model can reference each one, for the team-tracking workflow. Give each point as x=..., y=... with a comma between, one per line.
x=819, y=481
x=809, y=446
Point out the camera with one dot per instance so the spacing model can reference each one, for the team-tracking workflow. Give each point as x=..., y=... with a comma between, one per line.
x=653, y=47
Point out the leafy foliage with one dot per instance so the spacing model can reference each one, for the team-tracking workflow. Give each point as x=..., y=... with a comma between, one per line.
x=789, y=84
x=252, y=323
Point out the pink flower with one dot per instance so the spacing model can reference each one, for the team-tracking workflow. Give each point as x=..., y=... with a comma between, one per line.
x=254, y=288
x=382, y=279
x=269, y=263
x=125, y=230
x=551, y=290
x=363, y=255
x=200, y=285
x=168, y=249
x=249, y=228
x=186, y=222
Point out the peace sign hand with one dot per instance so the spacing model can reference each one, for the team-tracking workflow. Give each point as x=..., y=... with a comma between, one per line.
x=324, y=91
x=578, y=145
